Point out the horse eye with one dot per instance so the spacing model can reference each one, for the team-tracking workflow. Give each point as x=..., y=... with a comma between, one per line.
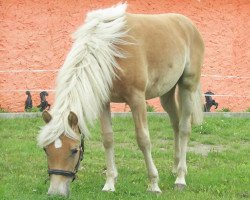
x=74, y=151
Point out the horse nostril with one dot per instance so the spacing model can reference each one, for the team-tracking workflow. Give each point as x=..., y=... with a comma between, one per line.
x=59, y=188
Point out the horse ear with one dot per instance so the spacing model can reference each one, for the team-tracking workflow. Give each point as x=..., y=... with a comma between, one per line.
x=46, y=116
x=73, y=120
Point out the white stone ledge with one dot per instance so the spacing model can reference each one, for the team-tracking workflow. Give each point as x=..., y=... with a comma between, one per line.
x=128, y=114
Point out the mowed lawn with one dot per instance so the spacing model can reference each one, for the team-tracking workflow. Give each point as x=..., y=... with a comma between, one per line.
x=218, y=161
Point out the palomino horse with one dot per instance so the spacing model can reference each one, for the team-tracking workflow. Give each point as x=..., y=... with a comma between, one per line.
x=123, y=57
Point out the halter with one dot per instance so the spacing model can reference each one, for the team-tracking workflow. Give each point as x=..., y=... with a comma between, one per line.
x=70, y=173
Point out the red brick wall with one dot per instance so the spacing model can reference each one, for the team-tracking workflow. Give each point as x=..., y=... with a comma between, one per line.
x=35, y=34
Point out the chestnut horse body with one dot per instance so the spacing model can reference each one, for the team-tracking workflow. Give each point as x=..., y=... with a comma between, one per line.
x=148, y=56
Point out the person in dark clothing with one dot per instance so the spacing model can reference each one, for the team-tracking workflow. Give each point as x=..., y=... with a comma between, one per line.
x=44, y=105
x=28, y=102
x=209, y=102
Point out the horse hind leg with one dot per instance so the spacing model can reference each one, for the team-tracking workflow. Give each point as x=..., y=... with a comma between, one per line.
x=190, y=112
x=138, y=107
x=169, y=104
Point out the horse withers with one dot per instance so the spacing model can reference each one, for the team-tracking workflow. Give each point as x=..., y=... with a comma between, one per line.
x=121, y=57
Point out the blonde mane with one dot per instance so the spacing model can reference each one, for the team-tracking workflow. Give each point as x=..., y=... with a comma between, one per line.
x=85, y=79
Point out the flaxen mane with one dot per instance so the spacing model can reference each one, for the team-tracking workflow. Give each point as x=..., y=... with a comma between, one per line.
x=85, y=79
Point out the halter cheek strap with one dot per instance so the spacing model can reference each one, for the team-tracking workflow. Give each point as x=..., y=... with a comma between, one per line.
x=70, y=173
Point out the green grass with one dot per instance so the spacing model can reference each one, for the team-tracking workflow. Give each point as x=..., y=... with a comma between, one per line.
x=219, y=175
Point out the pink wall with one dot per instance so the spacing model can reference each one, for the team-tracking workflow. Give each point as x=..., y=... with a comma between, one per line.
x=36, y=35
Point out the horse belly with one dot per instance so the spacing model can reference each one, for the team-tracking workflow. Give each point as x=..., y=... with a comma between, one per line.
x=161, y=83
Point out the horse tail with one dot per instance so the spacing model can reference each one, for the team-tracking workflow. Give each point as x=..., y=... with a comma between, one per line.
x=197, y=114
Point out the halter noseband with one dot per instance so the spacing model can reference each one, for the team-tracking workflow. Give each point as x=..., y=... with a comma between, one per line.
x=70, y=173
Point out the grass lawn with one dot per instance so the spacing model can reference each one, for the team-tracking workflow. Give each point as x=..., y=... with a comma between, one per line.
x=218, y=161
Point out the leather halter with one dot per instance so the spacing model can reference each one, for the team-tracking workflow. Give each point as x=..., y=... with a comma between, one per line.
x=70, y=173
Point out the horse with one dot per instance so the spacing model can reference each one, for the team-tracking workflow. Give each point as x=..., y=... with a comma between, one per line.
x=118, y=56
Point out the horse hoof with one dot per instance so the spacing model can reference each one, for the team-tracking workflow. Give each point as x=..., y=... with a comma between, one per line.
x=154, y=189
x=180, y=186
x=108, y=188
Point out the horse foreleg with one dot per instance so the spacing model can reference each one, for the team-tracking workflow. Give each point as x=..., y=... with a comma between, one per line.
x=138, y=108
x=108, y=143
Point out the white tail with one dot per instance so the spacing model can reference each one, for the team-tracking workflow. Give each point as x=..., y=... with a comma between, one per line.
x=197, y=116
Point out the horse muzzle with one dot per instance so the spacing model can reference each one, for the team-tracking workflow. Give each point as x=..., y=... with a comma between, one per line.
x=59, y=185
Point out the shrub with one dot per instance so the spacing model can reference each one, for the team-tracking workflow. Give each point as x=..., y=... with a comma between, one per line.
x=224, y=110
x=150, y=108
x=248, y=110
x=34, y=109
x=2, y=110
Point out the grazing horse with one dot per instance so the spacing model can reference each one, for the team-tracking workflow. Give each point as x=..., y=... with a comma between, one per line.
x=121, y=57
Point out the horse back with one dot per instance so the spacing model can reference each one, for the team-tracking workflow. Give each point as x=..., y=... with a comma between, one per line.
x=161, y=46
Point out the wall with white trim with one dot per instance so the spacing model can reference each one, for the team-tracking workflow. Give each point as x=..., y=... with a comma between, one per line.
x=35, y=35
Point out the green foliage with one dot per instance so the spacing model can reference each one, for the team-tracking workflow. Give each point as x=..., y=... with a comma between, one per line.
x=248, y=110
x=2, y=110
x=150, y=108
x=224, y=110
x=33, y=109
x=220, y=175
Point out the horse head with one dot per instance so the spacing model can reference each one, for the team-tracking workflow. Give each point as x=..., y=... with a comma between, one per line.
x=64, y=156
